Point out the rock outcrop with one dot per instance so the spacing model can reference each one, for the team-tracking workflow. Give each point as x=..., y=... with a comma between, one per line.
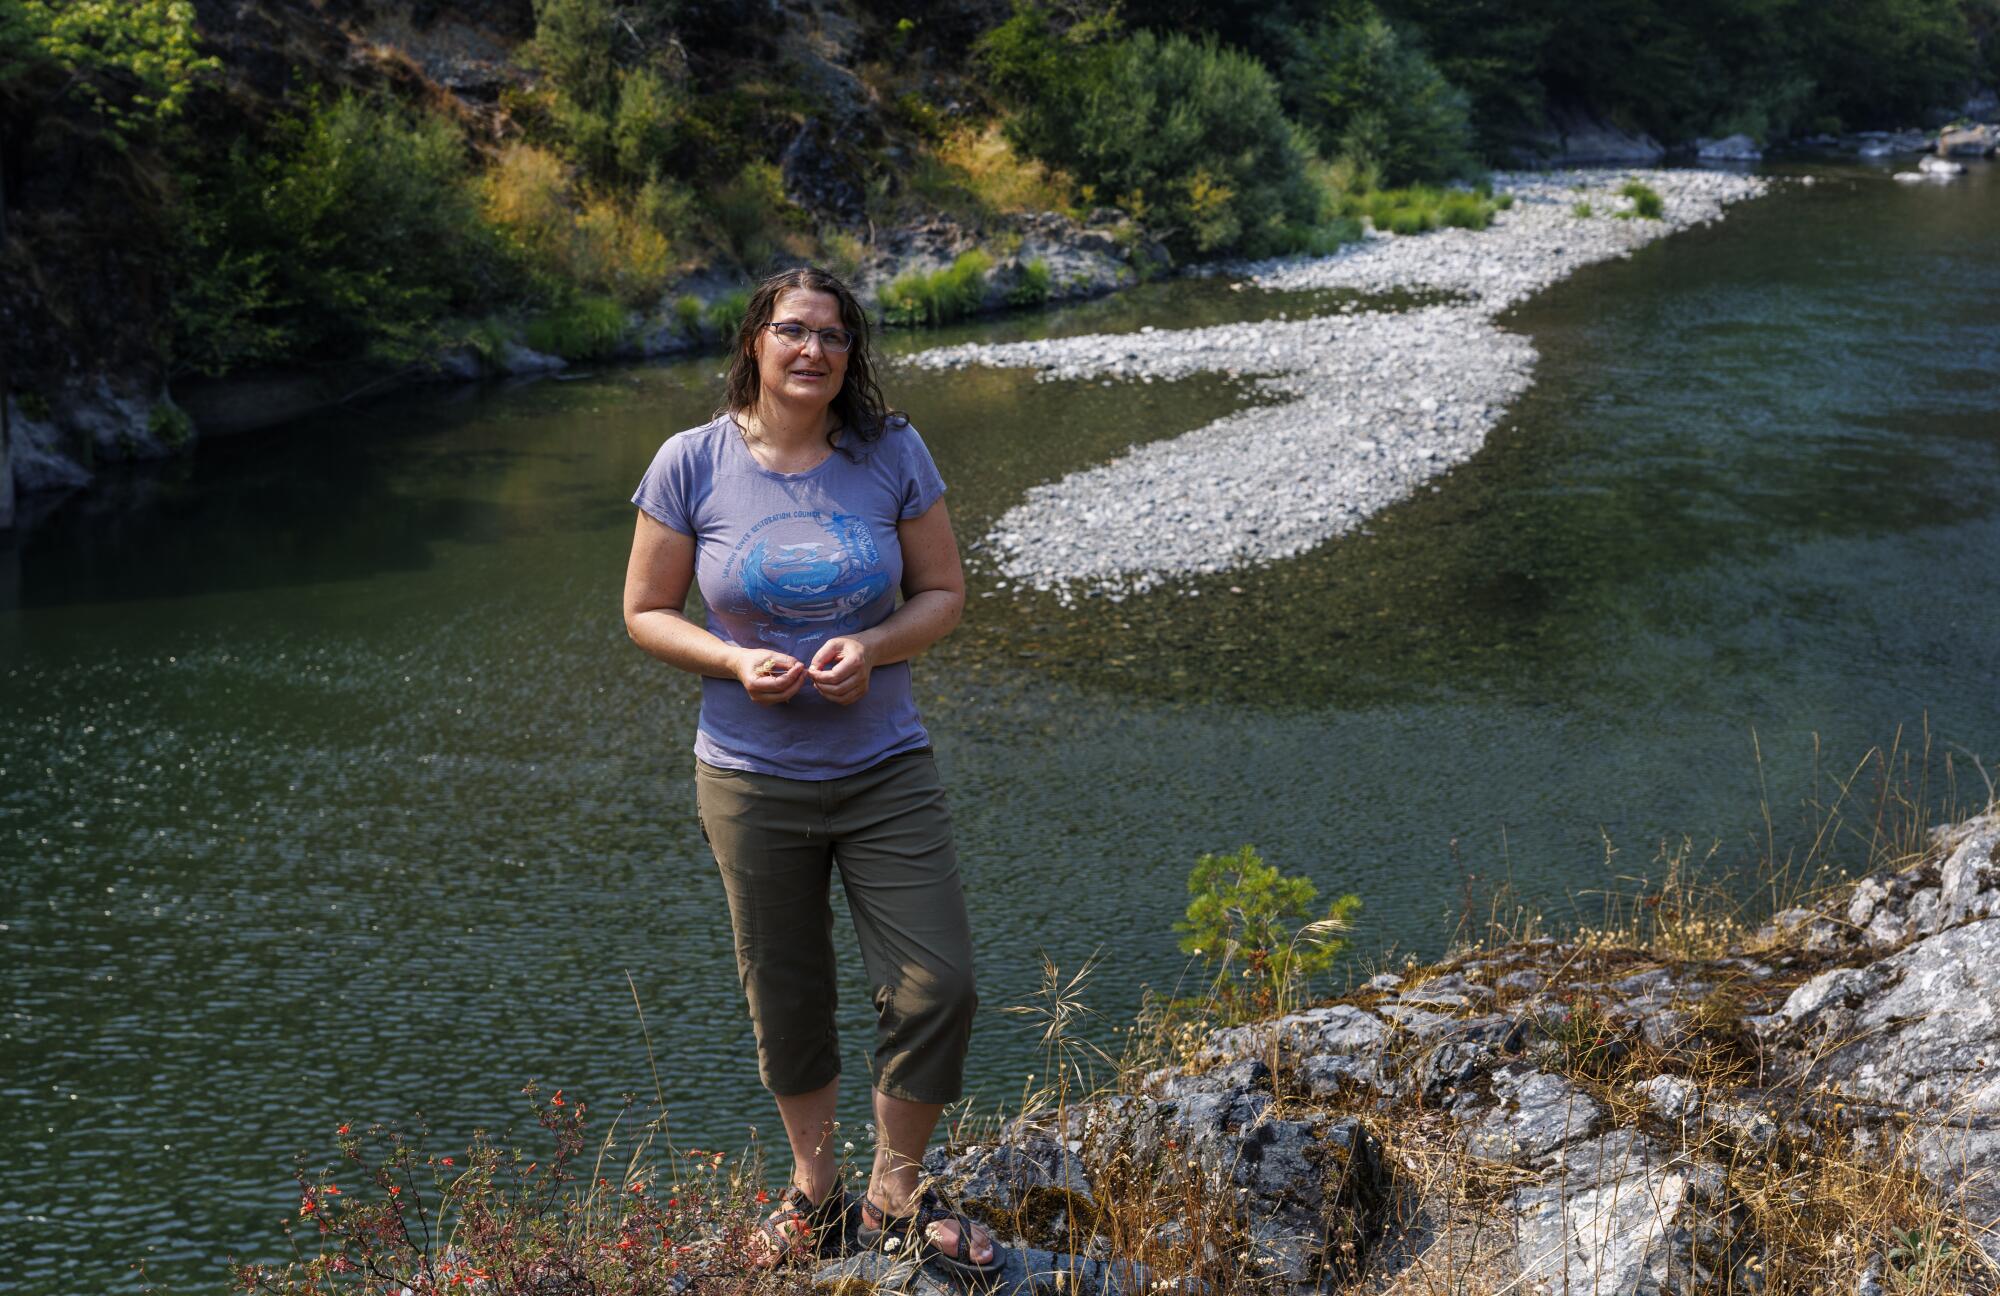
x=1578, y=138
x=1555, y=1118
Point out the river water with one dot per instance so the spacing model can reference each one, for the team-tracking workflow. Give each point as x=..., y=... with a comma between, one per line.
x=330, y=788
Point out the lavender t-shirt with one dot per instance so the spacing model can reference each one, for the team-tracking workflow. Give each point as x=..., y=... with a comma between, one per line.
x=787, y=561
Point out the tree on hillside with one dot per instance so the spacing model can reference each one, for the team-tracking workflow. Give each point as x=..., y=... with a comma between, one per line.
x=1184, y=134
x=1371, y=96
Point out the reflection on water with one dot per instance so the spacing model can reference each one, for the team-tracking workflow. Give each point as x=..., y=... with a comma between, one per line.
x=330, y=788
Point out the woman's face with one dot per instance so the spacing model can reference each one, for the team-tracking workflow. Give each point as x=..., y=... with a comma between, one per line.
x=806, y=373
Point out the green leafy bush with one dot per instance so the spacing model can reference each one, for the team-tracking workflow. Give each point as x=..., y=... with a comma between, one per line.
x=1325, y=238
x=1245, y=914
x=1463, y=210
x=940, y=296
x=1582, y=211
x=134, y=64
x=725, y=314
x=1033, y=288
x=584, y=329
x=750, y=214
x=565, y=242
x=687, y=314
x=1186, y=135
x=487, y=337
x=350, y=229
x=1420, y=208
x=645, y=130
x=1368, y=93
x=1646, y=201
x=573, y=48
x=170, y=424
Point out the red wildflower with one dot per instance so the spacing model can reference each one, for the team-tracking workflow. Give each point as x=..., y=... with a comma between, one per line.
x=341, y=1130
x=395, y=1190
x=447, y=1161
x=762, y=1196
x=333, y=1190
x=556, y=1101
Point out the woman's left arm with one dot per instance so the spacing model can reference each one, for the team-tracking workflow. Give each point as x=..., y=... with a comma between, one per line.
x=933, y=598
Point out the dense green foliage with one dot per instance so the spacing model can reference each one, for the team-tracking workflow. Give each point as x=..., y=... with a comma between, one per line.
x=1682, y=68
x=132, y=62
x=1186, y=134
x=352, y=231
x=940, y=296
x=1369, y=94
x=647, y=139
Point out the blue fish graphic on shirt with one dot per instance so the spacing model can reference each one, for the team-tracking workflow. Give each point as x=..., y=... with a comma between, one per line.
x=813, y=590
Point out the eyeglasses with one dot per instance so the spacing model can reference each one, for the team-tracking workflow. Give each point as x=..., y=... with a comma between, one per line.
x=833, y=339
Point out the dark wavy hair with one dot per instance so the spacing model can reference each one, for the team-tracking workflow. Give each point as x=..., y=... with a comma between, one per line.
x=858, y=407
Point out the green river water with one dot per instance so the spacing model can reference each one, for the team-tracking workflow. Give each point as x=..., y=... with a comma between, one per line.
x=331, y=789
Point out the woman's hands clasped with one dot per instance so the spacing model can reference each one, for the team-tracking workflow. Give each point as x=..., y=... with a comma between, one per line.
x=839, y=670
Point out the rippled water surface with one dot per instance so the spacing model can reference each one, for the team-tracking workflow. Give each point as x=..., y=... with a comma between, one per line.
x=330, y=788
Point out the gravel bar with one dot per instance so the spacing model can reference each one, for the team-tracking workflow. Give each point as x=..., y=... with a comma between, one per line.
x=1372, y=404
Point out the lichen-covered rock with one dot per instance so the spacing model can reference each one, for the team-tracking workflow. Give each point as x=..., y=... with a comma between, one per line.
x=1536, y=1114
x=1920, y=1029
x=1617, y=1219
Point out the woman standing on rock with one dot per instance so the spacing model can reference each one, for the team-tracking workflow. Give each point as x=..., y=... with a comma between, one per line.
x=800, y=510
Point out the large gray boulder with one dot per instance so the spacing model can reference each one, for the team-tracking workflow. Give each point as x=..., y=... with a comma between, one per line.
x=1576, y=138
x=89, y=422
x=1730, y=148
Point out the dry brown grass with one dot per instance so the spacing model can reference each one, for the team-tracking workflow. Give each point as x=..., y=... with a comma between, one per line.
x=1816, y=1191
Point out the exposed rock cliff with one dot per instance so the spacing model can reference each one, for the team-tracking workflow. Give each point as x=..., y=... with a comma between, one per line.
x=1569, y=1119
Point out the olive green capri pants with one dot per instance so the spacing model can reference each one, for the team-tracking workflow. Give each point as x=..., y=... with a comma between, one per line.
x=888, y=830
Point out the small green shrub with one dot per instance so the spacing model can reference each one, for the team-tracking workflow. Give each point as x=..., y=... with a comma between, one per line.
x=1646, y=201
x=725, y=313
x=488, y=338
x=1033, y=288
x=170, y=424
x=749, y=214
x=584, y=329
x=34, y=406
x=1329, y=236
x=1582, y=211
x=687, y=314
x=1244, y=911
x=1588, y=1041
x=1420, y=208
x=645, y=130
x=842, y=252
x=1466, y=211
x=940, y=296
x=1412, y=220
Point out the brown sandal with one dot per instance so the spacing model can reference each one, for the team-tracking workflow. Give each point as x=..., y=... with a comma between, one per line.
x=909, y=1235
x=817, y=1231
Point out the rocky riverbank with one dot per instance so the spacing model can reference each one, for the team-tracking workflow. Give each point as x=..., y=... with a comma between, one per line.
x=1371, y=403
x=1815, y=1107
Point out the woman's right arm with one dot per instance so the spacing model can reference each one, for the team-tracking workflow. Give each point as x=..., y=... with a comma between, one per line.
x=657, y=579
